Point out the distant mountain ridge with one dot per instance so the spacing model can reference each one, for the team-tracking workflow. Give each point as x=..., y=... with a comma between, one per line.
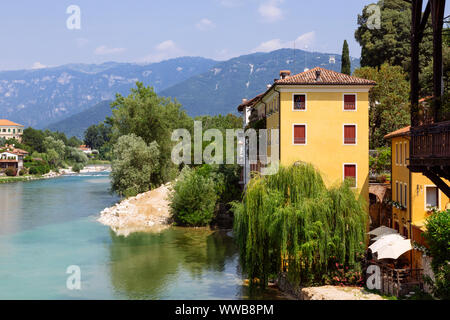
x=77, y=124
x=70, y=97
x=40, y=97
x=221, y=89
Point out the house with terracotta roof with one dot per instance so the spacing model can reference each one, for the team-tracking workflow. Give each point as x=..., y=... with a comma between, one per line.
x=323, y=119
x=10, y=130
x=12, y=158
x=414, y=195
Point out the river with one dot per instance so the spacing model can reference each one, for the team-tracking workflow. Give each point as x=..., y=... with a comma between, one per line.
x=48, y=225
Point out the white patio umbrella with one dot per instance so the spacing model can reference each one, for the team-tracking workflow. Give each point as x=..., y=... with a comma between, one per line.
x=394, y=250
x=383, y=230
x=394, y=236
x=385, y=240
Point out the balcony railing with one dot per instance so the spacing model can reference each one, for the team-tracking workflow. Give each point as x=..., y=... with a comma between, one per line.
x=430, y=143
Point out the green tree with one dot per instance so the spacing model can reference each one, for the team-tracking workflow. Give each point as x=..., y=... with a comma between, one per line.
x=153, y=118
x=76, y=155
x=438, y=240
x=292, y=219
x=193, y=199
x=346, y=64
x=135, y=166
x=97, y=135
x=390, y=43
x=55, y=149
x=74, y=142
x=388, y=100
x=34, y=138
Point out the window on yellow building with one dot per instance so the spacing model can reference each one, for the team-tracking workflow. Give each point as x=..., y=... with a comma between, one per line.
x=300, y=102
x=396, y=153
x=405, y=192
x=396, y=192
x=401, y=154
x=349, y=134
x=432, y=197
x=406, y=152
x=350, y=173
x=349, y=102
x=299, y=134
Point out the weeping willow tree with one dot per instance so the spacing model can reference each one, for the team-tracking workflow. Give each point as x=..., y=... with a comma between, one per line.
x=291, y=219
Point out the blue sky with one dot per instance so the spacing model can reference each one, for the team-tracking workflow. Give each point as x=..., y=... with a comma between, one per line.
x=34, y=33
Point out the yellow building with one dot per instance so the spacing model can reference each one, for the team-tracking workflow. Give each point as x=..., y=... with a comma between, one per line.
x=323, y=119
x=10, y=130
x=413, y=194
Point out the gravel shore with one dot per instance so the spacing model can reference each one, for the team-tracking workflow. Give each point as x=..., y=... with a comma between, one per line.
x=148, y=212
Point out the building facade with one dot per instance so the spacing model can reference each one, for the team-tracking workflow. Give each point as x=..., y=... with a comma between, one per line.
x=323, y=119
x=10, y=130
x=12, y=158
x=414, y=196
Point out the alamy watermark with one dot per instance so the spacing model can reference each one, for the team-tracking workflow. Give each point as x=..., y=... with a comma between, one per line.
x=73, y=22
x=73, y=281
x=374, y=19
x=240, y=145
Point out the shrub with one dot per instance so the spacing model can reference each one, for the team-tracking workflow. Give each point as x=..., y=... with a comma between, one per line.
x=193, y=199
x=438, y=239
x=10, y=172
x=135, y=167
x=77, y=167
x=22, y=172
x=39, y=168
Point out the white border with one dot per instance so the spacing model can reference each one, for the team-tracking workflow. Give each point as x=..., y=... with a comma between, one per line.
x=306, y=101
x=425, y=196
x=356, y=102
x=356, y=171
x=306, y=134
x=356, y=134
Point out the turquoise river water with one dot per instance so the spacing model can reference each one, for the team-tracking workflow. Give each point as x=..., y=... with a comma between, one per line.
x=48, y=225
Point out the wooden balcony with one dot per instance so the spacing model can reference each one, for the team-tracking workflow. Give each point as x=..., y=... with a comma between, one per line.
x=430, y=146
x=430, y=152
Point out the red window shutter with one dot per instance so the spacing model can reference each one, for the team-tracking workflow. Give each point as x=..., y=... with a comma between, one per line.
x=350, y=134
x=349, y=102
x=350, y=172
x=299, y=134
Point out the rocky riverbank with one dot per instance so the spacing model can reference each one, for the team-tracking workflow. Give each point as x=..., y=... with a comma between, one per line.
x=147, y=212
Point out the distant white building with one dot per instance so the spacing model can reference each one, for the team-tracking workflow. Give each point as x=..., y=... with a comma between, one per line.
x=332, y=60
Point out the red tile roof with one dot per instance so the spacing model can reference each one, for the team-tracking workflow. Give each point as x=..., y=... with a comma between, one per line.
x=250, y=102
x=327, y=77
x=4, y=122
x=399, y=133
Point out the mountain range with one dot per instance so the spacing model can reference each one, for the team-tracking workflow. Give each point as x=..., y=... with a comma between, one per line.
x=69, y=98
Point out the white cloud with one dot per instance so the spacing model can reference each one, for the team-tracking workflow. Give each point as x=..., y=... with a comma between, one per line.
x=205, y=24
x=270, y=10
x=165, y=50
x=104, y=50
x=38, y=65
x=304, y=41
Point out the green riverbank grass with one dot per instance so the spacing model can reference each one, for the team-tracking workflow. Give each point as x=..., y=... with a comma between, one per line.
x=20, y=179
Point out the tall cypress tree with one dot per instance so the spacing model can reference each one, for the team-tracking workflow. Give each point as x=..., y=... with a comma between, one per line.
x=346, y=64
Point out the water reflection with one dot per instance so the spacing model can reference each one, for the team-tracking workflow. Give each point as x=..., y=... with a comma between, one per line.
x=145, y=266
